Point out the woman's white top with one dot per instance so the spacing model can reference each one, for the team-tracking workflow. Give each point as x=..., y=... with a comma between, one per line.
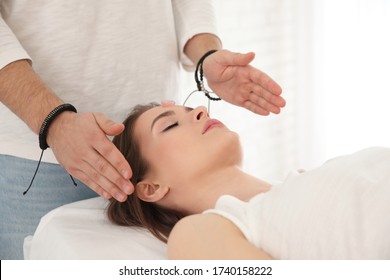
x=340, y=210
x=100, y=56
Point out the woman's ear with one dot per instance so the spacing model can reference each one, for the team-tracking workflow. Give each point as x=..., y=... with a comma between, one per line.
x=150, y=192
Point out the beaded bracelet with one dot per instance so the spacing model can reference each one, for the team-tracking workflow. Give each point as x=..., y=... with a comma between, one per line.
x=199, y=80
x=49, y=119
x=43, y=135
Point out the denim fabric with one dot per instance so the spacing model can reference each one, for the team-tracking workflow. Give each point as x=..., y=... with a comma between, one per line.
x=20, y=215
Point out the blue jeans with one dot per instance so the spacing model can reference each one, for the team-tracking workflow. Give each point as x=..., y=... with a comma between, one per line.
x=20, y=214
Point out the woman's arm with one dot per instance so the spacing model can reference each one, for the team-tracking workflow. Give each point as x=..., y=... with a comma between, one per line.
x=210, y=236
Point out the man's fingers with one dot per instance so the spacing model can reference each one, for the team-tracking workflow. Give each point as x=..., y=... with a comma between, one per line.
x=104, y=188
x=167, y=103
x=255, y=108
x=111, y=154
x=100, y=174
x=263, y=103
x=111, y=164
x=104, y=167
x=113, y=172
x=114, y=157
x=265, y=81
x=275, y=100
x=84, y=150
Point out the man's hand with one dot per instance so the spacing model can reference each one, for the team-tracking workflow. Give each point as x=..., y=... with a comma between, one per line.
x=80, y=144
x=231, y=77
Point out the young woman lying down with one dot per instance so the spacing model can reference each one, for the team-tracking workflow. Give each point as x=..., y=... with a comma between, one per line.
x=191, y=193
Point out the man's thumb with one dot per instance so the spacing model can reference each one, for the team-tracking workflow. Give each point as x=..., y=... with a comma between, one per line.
x=108, y=126
x=242, y=59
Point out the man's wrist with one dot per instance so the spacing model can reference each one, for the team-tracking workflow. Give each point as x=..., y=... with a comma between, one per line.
x=198, y=45
x=57, y=126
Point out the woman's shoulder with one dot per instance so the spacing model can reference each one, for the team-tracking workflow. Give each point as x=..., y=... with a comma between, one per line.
x=209, y=236
x=195, y=224
x=190, y=237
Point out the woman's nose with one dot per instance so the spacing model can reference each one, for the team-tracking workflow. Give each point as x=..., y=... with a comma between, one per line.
x=200, y=113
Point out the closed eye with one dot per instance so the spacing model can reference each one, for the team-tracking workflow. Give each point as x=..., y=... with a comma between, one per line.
x=170, y=126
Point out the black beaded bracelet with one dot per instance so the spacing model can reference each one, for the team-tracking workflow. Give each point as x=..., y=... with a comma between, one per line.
x=49, y=119
x=43, y=135
x=199, y=76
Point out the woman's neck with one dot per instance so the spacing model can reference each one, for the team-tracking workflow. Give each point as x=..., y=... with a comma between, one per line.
x=203, y=192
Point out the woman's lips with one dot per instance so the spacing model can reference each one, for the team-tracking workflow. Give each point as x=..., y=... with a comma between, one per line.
x=211, y=124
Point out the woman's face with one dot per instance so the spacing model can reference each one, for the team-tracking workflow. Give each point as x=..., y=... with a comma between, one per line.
x=181, y=143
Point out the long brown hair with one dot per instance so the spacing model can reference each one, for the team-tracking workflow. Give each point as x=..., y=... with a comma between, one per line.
x=135, y=212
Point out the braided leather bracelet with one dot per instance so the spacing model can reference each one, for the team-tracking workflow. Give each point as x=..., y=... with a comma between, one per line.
x=199, y=80
x=49, y=119
x=43, y=135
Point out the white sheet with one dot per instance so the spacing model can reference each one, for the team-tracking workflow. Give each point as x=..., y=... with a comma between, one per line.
x=81, y=230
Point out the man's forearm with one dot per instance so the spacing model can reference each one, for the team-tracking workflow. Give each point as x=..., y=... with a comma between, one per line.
x=25, y=94
x=200, y=44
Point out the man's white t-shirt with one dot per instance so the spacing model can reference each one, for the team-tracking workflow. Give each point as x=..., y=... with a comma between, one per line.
x=100, y=56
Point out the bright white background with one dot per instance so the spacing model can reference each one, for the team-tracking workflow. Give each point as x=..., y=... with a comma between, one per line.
x=332, y=60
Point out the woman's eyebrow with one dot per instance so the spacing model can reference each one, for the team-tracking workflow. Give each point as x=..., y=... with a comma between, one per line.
x=162, y=115
x=167, y=114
